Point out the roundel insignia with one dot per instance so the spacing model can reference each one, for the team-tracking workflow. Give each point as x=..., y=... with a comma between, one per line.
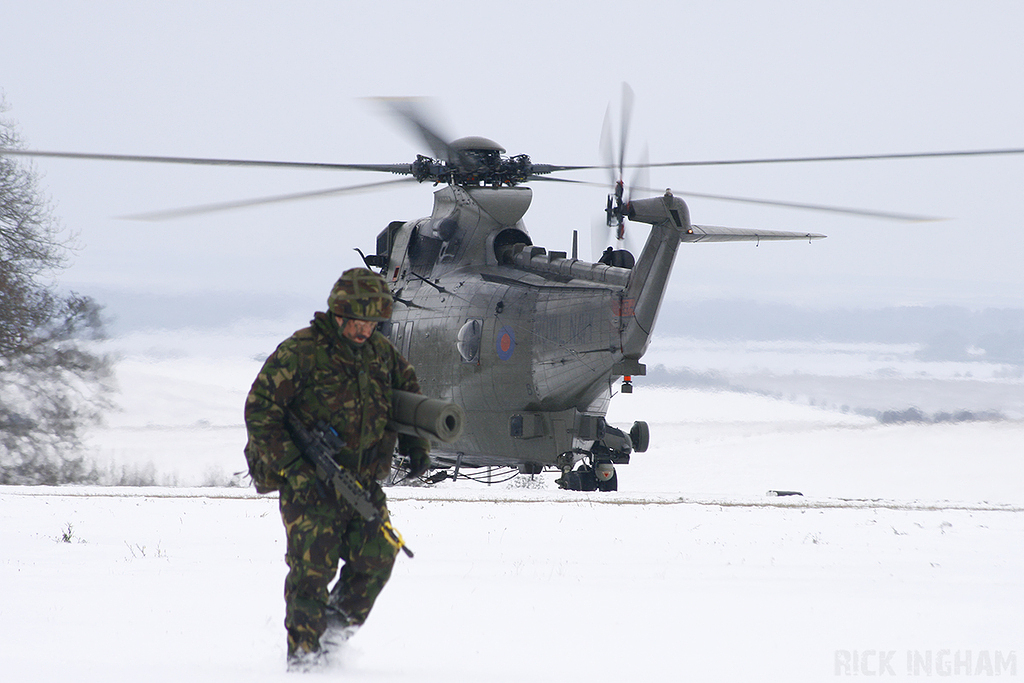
x=506, y=343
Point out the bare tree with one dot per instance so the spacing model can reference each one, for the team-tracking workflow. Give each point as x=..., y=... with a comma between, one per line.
x=52, y=385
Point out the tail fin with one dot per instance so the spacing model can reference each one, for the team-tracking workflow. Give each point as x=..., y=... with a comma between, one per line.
x=641, y=300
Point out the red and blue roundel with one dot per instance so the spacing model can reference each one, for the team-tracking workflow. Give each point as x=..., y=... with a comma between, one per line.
x=506, y=343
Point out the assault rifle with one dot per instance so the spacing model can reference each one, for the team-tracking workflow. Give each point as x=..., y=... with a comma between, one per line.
x=318, y=446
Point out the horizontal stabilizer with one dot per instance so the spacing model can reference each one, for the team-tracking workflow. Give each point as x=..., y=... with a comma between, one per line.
x=709, y=233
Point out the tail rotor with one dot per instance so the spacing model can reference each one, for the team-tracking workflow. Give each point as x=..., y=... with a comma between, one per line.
x=614, y=158
x=615, y=208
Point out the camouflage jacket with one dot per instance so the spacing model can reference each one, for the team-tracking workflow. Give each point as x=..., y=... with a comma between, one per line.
x=320, y=375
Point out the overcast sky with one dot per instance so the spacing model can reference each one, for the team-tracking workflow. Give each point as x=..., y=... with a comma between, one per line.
x=713, y=80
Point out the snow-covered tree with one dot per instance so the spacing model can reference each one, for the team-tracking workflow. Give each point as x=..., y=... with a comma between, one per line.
x=52, y=386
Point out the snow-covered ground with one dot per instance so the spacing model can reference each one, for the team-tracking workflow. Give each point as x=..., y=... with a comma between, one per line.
x=902, y=558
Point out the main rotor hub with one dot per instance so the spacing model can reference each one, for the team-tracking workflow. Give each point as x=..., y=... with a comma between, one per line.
x=477, y=144
x=478, y=162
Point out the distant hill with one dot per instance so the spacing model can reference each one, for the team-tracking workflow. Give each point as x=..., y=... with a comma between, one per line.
x=943, y=332
x=131, y=311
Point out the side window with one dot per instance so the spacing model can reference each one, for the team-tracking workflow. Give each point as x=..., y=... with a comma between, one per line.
x=468, y=341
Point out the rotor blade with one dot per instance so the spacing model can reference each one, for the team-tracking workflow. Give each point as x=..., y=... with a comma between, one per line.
x=852, y=157
x=171, y=214
x=554, y=179
x=404, y=169
x=550, y=168
x=539, y=169
x=412, y=112
x=638, y=185
x=607, y=146
x=709, y=233
x=864, y=213
x=624, y=123
x=641, y=176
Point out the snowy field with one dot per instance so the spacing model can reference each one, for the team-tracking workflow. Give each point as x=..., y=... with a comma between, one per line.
x=902, y=558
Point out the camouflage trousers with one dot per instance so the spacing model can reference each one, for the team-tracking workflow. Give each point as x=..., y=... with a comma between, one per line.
x=323, y=531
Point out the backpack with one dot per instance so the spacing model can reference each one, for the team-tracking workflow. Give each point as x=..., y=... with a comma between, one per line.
x=263, y=477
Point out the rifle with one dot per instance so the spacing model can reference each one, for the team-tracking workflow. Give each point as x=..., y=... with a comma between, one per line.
x=318, y=446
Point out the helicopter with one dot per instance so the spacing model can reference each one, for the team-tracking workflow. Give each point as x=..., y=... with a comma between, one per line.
x=530, y=343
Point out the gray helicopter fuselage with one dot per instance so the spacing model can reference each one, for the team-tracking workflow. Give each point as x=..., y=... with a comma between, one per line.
x=527, y=342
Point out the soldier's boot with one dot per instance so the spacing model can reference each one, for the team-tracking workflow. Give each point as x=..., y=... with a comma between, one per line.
x=304, y=657
x=339, y=627
x=336, y=636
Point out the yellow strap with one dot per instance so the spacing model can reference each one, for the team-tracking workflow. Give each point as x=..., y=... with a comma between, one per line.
x=394, y=538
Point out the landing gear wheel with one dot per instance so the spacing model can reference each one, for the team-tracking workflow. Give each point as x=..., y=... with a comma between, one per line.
x=640, y=435
x=609, y=484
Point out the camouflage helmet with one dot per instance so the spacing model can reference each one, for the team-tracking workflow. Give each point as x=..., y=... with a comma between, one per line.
x=360, y=294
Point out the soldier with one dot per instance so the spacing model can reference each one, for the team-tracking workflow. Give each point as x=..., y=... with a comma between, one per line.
x=342, y=371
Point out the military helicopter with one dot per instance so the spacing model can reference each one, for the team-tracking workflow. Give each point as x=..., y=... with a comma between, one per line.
x=530, y=343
